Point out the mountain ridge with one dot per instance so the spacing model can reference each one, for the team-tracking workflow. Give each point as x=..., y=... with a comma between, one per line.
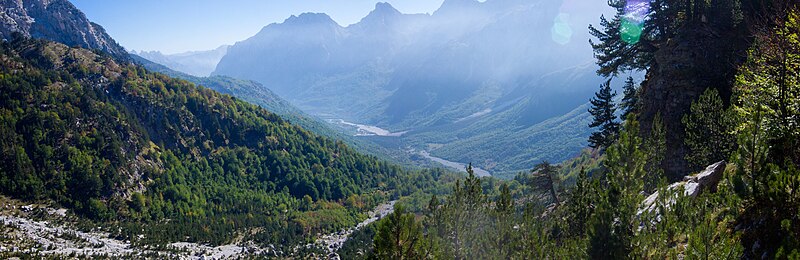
x=57, y=20
x=418, y=73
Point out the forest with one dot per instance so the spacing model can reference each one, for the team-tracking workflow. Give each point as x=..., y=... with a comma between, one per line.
x=142, y=152
x=627, y=202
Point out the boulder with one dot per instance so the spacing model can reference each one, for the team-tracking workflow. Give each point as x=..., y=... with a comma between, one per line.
x=691, y=185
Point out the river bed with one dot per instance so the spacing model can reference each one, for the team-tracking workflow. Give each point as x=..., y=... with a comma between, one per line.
x=455, y=165
x=367, y=130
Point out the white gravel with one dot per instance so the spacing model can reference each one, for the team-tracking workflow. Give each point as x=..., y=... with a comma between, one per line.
x=334, y=241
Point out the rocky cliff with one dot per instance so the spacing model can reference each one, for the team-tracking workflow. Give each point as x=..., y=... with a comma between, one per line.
x=55, y=20
x=701, y=56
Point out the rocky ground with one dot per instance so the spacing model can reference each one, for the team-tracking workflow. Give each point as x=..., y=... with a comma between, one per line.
x=31, y=230
x=38, y=231
x=330, y=243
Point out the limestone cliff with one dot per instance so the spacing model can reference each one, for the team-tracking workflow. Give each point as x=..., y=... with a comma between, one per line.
x=55, y=20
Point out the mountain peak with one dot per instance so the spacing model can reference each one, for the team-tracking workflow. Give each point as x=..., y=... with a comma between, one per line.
x=56, y=20
x=382, y=14
x=310, y=18
x=384, y=8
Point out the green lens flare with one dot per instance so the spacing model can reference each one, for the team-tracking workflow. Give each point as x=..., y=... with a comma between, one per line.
x=561, y=32
x=630, y=32
x=632, y=24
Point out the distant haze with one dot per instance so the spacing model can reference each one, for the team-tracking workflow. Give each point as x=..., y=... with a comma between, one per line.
x=176, y=26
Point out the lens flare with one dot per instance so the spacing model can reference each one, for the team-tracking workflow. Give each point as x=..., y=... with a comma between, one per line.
x=632, y=22
x=561, y=31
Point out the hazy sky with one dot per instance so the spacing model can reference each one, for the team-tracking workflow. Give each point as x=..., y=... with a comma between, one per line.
x=173, y=26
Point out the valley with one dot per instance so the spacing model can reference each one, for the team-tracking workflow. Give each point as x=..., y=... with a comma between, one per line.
x=453, y=129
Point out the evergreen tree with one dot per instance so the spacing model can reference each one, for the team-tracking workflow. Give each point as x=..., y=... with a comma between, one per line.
x=580, y=205
x=399, y=236
x=615, y=50
x=655, y=147
x=611, y=228
x=465, y=219
x=605, y=119
x=505, y=203
x=708, y=131
x=545, y=178
x=503, y=233
x=630, y=98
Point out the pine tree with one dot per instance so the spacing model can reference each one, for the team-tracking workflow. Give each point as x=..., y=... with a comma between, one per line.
x=612, y=52
x=611, y=227
x=655, y=146
x=464, y=219
x=603, y=111
x=630, y=98
x=625, y=42
x=399, y=236
x=545, y=178
x=505, y=203
x=708, y=131
x=580, y=205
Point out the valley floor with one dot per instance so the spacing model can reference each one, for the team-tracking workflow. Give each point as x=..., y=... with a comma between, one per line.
x=38, y=230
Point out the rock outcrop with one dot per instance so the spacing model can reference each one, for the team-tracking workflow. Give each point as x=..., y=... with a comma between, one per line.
x=701, y=56
x=691, y=185
x=55, y=20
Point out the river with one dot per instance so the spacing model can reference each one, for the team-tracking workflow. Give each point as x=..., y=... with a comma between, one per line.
x=367, y=130
x=455, y=165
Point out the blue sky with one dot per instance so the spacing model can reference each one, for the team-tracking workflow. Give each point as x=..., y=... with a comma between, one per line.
x=173, y=26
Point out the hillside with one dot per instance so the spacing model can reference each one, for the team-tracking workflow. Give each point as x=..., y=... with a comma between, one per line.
x=115, y=142
x=424, y=74
x=257, y=94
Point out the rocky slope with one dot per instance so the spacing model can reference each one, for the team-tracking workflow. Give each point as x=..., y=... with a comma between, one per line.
x=55, y=20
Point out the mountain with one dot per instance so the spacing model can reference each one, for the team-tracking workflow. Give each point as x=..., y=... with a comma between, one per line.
x=195, y=63
x=55, y=20
x=226, y=85
x=255, y=93
x=113, y=141
x=425, y=75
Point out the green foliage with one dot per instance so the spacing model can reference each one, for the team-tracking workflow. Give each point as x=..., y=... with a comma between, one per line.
x=711, y=239
x=82, y=130
x=612, y=225
x=580, y=205
x=629, y=40
x=399, y=236
x=360, y=244
x=625, y=160
x=630, y=98
x=766, y=104
x=545, y=177
x=655, y=146
x=603, y=110
x=708, y=130
x=614, y=52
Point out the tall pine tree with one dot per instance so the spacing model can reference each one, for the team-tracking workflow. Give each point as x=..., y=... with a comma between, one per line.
x=630, y=98
x=603, y=110
x=618, y=47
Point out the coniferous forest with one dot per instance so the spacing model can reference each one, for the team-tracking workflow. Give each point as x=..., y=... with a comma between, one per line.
x=697, y=160
x=626, y=206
